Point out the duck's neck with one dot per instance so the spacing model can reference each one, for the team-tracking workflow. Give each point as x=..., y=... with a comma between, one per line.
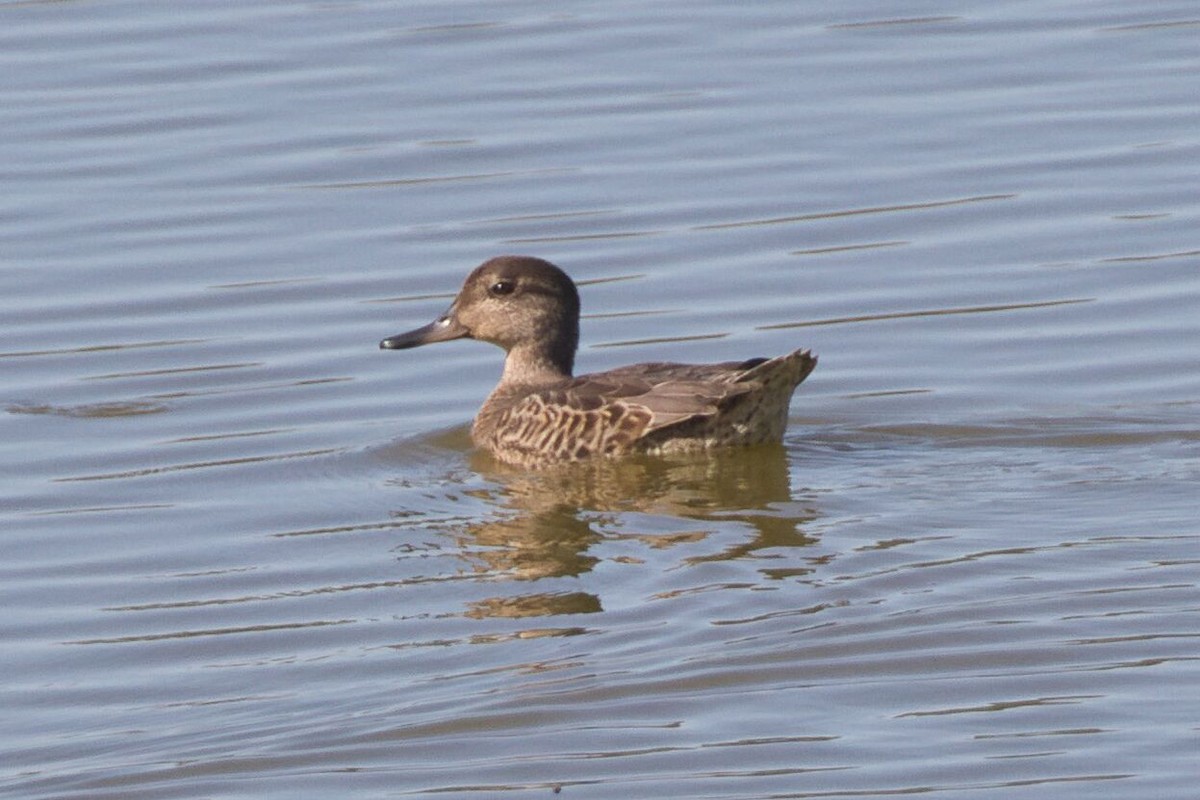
x=535, y=366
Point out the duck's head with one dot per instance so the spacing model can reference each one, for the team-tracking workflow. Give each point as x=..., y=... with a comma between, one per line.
x=526, y=305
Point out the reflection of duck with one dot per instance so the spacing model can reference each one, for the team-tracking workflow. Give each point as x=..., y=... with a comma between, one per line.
x=540, y=414
x=559, y=513
x=560, y=522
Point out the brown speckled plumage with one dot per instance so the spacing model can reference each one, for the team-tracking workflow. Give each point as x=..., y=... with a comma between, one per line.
x=539, y=414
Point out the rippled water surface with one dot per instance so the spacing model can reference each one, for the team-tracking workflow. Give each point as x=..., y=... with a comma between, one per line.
x=248, y=554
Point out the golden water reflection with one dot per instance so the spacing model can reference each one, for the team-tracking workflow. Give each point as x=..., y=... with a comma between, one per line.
x=550, y=520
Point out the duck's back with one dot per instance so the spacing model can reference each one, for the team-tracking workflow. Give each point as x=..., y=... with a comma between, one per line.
x=654, y=407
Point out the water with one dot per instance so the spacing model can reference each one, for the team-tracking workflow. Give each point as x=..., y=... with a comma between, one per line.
x=250, y=555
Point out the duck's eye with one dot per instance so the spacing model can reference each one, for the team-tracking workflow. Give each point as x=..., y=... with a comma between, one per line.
x=502, y=287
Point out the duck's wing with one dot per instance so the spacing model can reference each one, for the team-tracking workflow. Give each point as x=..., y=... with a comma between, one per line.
x=608, y=412
x=669, y=394
x=681, y=394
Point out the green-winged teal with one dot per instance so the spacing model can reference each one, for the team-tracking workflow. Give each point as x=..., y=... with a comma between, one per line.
x=539, y=414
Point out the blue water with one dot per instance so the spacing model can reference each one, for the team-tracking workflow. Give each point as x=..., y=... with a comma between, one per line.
x=251, y=555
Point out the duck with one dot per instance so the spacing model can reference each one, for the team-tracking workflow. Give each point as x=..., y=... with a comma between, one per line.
x=540, y=413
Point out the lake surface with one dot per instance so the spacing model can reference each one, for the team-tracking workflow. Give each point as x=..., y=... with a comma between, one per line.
x=248, y=554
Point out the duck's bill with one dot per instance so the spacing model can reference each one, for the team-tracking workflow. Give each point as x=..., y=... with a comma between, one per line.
x=442, y=329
